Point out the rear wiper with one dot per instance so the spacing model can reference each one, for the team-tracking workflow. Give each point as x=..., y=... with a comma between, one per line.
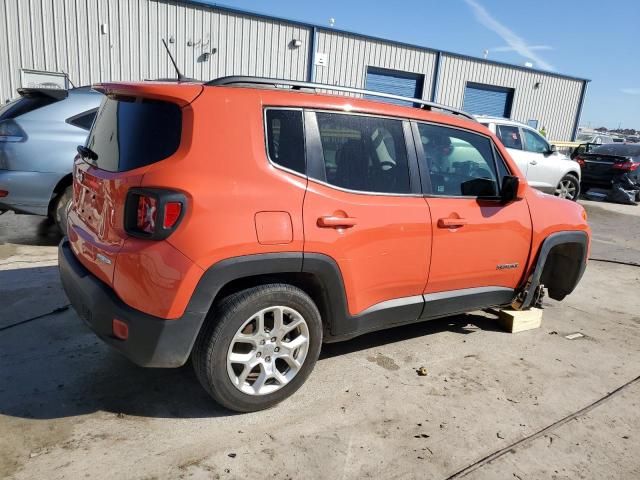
x=86, y=152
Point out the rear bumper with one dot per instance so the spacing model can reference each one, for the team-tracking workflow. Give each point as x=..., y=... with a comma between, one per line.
x=29, y=192
x=152, y=341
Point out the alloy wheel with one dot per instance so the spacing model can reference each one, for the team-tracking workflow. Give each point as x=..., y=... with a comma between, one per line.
x=268, y=350
x=566, y=189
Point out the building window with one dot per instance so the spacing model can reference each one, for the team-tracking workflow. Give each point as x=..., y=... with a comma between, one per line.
x=480, y=99
x=533, y=124
x=395, y=82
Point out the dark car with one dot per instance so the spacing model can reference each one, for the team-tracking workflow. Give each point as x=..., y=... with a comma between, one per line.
x=605, y=164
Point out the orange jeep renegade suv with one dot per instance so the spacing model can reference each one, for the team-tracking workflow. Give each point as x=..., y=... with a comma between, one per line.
x=244, y=221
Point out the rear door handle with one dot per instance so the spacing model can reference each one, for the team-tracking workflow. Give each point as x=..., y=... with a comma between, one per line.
x=451, y=222
x=533, y=162
x=336, y=222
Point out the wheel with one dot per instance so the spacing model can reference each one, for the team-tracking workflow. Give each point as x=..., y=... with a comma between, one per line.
x=60, y=209
x=258, y=346
x=569, y=187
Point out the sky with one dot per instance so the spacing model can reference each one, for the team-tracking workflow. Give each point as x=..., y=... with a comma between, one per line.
x=589, y=39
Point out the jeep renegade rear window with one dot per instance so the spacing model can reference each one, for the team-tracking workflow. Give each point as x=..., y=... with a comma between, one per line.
x=133, y=132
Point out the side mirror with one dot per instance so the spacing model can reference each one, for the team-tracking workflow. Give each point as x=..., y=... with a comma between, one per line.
x=512, y=189
x=552, y=149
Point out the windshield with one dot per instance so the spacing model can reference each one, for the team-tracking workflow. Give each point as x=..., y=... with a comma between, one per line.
x=133, y=132
x=584, y=137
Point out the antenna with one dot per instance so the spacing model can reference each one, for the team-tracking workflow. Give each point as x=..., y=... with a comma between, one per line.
x=180, y=76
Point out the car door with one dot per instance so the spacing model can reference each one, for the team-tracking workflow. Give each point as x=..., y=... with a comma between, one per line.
x=363, y=209
x=479, y=245
x=544, y=171
x=511, y=138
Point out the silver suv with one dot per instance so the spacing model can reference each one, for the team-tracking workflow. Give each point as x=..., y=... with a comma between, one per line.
x=39, y=133
x=545, y=168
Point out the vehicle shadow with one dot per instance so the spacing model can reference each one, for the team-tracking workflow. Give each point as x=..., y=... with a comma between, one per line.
x=463, y=324
x=54, y=367
x=28, y=230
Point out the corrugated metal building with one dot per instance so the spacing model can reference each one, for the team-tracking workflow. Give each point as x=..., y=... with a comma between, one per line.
x=101, y=40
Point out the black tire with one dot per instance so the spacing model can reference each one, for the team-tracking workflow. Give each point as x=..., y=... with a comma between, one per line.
x=209, y=355
x=573, y=180
x=60, y=209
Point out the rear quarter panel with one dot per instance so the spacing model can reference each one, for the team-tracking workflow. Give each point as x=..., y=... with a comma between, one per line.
x=223, y=169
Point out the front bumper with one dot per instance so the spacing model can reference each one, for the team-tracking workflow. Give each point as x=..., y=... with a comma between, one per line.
x=152, y=341
x=29, y=192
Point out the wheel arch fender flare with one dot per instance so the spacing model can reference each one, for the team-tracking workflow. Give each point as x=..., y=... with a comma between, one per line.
x=322, y=268
x=578, y=243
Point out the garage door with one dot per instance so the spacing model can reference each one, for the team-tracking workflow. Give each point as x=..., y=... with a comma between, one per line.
x=396, y=82
x=482, y=99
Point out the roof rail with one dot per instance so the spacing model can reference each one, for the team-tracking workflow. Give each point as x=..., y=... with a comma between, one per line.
x=297, y=85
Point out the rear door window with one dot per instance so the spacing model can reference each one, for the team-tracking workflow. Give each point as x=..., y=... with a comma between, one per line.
x=132, y=132
x=364, y=153
x=509, y=136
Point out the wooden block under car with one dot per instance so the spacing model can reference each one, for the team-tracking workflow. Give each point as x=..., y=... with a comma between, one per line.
x=515, y=321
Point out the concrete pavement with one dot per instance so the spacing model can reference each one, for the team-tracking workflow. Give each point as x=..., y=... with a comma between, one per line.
x=71, y=408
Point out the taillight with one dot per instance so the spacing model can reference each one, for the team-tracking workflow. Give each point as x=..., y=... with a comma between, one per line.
x=580, y=161
x=153, y=213
x=10, y=131
x=628, y=166
x=172, y=211
x=146, y=214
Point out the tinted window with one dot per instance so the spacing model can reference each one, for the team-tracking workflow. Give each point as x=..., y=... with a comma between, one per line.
x=510, y=136
x=364, y=153
x=534, y=142
x=459, y=162
x=84, y=120
x=622, y=150
x=503, y=171
x=285, y=139
x=132, y=132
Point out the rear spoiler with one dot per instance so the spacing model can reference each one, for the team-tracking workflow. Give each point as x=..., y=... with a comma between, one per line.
x=55, y=93
x=182, y=93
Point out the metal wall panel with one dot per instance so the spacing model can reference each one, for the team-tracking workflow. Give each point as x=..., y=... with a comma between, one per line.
x=554, y=103
x=65, y=36
x=349, y=56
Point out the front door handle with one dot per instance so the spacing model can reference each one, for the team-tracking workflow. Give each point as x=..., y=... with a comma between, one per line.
x=451, y=222
x=336, y=222
x=533, y=162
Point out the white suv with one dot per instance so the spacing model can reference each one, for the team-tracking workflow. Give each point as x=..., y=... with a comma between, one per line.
x=544, y=167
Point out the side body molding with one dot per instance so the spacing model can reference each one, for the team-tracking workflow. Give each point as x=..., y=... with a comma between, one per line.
x=396, y=312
